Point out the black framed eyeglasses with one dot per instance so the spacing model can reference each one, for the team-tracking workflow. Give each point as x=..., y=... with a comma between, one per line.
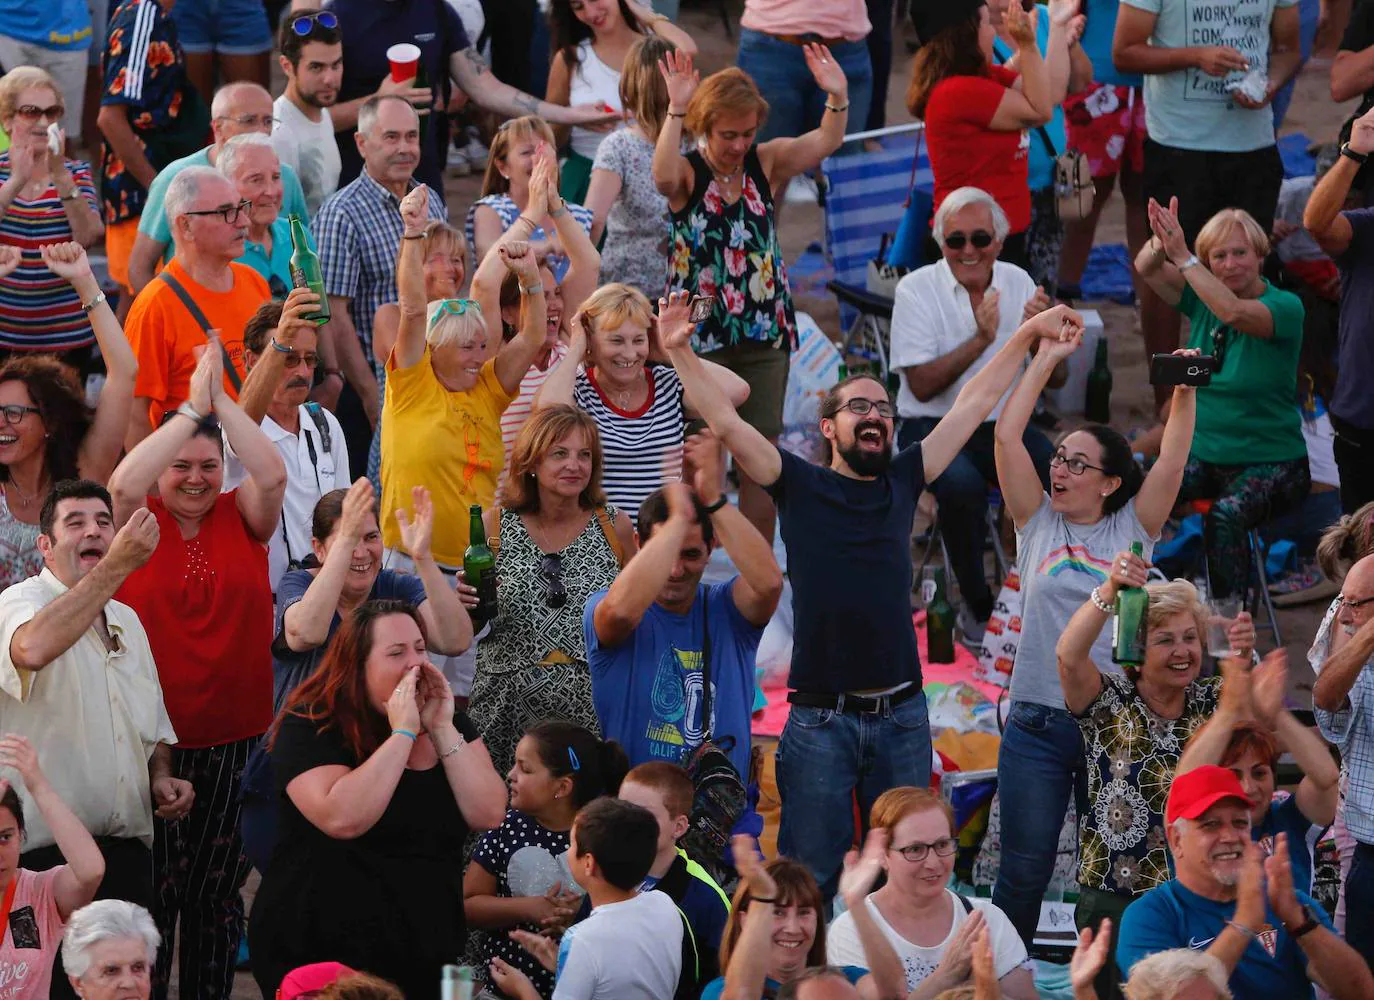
x=551, y=580
x=980, y=238
x=229, y=213
x=303, y=25
x=943, y=848
x=1076, y=465
x=861, y=407
x=14, y=412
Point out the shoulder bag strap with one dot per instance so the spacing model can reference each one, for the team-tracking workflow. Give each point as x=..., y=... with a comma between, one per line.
x=612, y=539
x=494, y=536
x=229, y=370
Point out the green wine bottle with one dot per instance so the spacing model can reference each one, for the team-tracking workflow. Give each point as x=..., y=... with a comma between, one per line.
x=1097, y=401
x=939, y=618
x=1131, y=621
x=479, y=569
x=305, y=269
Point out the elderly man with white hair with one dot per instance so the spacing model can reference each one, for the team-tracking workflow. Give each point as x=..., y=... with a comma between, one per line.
x=108, y=951
x=949, y=319
x=202, y=288
x=239, y=108
x=251, y=164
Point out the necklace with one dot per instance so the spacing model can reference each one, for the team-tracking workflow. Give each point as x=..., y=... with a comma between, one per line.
x=543, y=534
x=729, y=178
x=24, y=499
x=622, y=398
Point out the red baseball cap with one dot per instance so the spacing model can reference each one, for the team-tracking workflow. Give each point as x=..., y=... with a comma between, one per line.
x=1192, y=794
x=310, y=979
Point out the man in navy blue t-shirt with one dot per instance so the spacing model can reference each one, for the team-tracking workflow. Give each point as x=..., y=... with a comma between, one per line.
x=858, y=719
x=1274, y=941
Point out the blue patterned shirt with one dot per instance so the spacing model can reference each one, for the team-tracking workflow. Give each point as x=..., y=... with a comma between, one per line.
x=1352, y=731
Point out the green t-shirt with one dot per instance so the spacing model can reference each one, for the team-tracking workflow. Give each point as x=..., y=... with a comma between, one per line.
x=1249, y=414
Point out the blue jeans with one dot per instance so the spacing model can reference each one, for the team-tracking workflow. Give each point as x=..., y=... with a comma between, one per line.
x=962, y=493
x=795, y=103
x=1359, y=899
x=824, y=758
x=1039, y=765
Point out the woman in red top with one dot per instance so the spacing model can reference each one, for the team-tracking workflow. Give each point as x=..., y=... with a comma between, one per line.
x=976, y=113
x=206, y=605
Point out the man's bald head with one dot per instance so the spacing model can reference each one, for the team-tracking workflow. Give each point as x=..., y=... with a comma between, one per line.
x=239, y=108
x=1357, y=595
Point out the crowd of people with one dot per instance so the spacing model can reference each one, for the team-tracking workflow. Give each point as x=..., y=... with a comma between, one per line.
x=237, y=629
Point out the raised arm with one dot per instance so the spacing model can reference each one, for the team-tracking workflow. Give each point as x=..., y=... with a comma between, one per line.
x=756, y=455
x=1352, y=73
x=514, y=358
x=409, y=349
x=261, y=493
x=584, y=261
x=1331, y=692
x=634, y=591
x=783, y=158
x=1017, y=478
x=1159, y=492
x=557, y=389
x=748, y=968
x=887, y=978
x=476, y=79
x=1249, y=316
x=1078, y=675
x=1157, y=271
x=759, y=585
x=1319, y=791
x=662, y=26
x=447, y=625
x=673, y=175
x=1208, y=745
x=1061, y=326
x=1323, y=216
x=1033, y=104
x=602, y=192
x=267, y=372
x=104, y=441
x=305, y=624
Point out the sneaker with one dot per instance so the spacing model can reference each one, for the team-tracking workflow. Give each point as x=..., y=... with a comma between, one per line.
x=802, y=191
x=969, y=627
x=474, y=148
x=458, y=162
x=1307, y=585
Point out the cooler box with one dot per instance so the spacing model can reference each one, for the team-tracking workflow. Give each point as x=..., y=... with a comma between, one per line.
x=1069, y=398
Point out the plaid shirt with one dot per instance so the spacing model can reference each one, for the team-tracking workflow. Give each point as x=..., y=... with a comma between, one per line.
x=359, y=231
x=1352, y=731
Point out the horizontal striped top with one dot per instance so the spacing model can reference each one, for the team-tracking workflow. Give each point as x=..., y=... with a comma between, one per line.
x=523, y=404
x=642, y=449
x=38, y=310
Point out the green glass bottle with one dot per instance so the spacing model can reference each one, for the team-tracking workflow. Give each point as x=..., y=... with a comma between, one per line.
x=479, y=569
x=939, y=617
x=1131, y=621
x=455, y=982
x=305, y=269
x=1097, y=402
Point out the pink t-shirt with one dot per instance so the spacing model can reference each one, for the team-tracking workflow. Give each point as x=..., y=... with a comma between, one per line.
x=26, y=973
x=833, y=19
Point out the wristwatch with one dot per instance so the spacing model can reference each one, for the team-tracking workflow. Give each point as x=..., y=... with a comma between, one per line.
x=1351, y=154
x=1192, y=261
x=721, y=501
x=99, y=298
x=1310, y=924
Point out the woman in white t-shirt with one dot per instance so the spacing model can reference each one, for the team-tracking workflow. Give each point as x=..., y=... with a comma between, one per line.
x=931, y=928
x=37, y=904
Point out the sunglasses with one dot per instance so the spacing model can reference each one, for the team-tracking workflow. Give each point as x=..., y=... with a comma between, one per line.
x=229, y=213
x=551, y=580
x=305, y=24
x=32, y=112
x=980, y=238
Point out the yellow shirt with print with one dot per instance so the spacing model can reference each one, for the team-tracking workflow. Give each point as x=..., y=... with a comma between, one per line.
x=447, y=441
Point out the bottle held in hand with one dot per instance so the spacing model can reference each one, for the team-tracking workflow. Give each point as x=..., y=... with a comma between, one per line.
x=305, y=270
x=1131, y=621
x=479, y=569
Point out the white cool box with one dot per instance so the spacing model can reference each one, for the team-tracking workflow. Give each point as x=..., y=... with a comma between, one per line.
x=1069, y=397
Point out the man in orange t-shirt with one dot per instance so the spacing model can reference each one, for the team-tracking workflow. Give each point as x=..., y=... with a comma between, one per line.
x=209, y=224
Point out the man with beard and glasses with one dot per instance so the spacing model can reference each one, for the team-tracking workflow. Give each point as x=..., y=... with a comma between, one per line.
x=1239, y=907
x=280, y=350
x=858, y=719
x=312, y=58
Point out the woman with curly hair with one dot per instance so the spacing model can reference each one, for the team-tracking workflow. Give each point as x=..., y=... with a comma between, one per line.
x=49, y=433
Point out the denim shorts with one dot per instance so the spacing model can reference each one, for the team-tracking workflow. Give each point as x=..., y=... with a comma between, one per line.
x=229, y=27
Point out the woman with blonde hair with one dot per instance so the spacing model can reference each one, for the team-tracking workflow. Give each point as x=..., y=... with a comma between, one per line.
x=1178, y=972
x=630, y=390
x=557, y=542
x=1249, y=456
x=625, y=204
x=1135, y=726
x=516, y=149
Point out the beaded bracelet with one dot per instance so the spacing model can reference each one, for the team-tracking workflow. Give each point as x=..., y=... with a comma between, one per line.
x=1099, y=603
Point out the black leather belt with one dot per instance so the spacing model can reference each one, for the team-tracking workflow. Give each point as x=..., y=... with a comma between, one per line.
x=858, y=704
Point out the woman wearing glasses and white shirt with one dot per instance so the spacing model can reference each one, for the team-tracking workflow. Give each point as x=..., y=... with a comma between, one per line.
x=1097, y=505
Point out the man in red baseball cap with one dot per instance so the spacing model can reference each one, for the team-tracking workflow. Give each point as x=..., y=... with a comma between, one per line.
x=1236, y=905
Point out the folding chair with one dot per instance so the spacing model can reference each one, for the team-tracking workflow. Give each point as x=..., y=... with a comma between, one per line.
x=865, y=202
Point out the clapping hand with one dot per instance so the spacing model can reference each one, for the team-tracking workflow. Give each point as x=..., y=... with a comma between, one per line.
x=1089, y=956
x=511, y=981
x=543, y=182
x=1019, y=25
x=825, y=70
x=682, y=79
x=750, y=865
x=10, y=259
x=986, y=985
x=207, y=381
x=544, y=949
x=1064, y=14
x=1278, y=871
x=1269, y=686
x=957, y=962
x=861, y=869
x=701, y=451
x=988, y=315
x=1164, y=223
x=66, y=260
x=417, y=528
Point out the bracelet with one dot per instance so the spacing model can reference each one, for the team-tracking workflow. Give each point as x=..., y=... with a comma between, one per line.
x=1099, y=603
x=279, y=348
x=721, y=501
x=404, y=732
x=1192, y=261
x=677, y=114
x=560, y=212
x=535, y=289
x=462, y=742
x=187, y=410
x=1242, y=928
x=830, y=107
x=412, y=236
x=527, y=219
x=74, y=196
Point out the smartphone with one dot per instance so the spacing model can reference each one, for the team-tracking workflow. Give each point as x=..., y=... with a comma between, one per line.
x=701, y=308
x=1182, y=369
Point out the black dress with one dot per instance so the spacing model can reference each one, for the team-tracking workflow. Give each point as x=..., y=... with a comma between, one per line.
x=389, y=902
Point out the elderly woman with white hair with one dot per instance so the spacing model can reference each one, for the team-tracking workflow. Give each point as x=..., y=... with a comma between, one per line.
x=949, y=319
x=252, y=166
x=108, y=951
x=1178, y=974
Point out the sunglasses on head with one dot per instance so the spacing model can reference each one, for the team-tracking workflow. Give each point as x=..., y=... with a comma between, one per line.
x=980, y=238
x=305, y=24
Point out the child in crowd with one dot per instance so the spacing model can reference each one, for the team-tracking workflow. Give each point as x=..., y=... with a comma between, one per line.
x=519, y=875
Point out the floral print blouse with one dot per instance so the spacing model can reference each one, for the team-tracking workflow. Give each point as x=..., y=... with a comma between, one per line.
x=732, y=252
x=1131, y=754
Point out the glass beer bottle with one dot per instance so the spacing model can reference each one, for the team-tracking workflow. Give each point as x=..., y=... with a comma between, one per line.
x=1131, y=621
x=939, y=618
x=479, y=569
x=305, y=270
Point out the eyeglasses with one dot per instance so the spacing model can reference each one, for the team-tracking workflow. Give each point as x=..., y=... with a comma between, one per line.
x=452, y=307
x=251, y=121
x=32, y=112
x=943, y=848
x=1341, y=599
x=305, y=24
x=861, y=407
x=294, y=360
x=1076, y=465
x=229, y=213
x=980, y=238
x=551, y=580
x=15, y=413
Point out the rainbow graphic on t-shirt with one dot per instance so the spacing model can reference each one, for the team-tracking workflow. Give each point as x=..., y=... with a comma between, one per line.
x=1075, y=559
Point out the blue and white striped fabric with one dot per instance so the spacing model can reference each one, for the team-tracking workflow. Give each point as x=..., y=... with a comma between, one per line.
x=865, y=195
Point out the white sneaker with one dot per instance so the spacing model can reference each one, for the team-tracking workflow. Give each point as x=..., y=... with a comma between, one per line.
x=475, y=149
x=458, y=162
x=802, y=191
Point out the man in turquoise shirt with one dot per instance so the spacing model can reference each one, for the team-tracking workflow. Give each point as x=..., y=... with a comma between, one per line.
x=237, y=109
x=250, y=163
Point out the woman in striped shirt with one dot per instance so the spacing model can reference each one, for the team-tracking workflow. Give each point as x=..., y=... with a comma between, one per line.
x=630, y=390
x=44, y=198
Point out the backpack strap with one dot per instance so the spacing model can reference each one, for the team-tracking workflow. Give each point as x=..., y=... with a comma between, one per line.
x=968, y=907
x=230, y=371
x=612, y=539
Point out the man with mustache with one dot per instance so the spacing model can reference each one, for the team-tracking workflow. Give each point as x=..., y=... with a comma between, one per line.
x=280, y=349
x=1236, y=905
x=858, y=721
x=1343, y=697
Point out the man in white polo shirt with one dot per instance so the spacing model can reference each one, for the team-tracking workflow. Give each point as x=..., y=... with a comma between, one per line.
x=280, y=353
x=948, y=320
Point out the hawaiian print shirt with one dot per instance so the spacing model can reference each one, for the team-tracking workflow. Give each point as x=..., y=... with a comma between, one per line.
x=731, y=253
x=1131, y=754
x=144, y=70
